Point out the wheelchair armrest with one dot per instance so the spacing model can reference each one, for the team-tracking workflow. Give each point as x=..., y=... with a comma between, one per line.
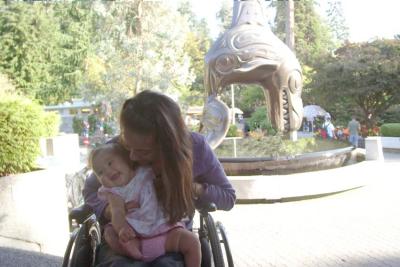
x=81, y=213
x=208, y=207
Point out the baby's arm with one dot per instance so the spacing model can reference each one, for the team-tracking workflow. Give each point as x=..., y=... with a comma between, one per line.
x=118, y=220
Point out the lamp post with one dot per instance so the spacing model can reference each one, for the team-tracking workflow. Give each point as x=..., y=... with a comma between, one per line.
x=290, y=42
x=233, y=104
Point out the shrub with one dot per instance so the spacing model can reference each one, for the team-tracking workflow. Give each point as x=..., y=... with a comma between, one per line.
x=259, y=120
x=390, y=129
x=93, y=121
x=108, y=129
x=257, y=134
x=51, y=124
x=77, y=125
x=301, y=146
x=232, y=131
x=365, y=131
x=275, y=146
x=193, y=128
x=391, y=116
x=22, y=123
x=6, y=85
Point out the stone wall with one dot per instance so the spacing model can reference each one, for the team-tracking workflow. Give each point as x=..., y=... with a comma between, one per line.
x=34, y=212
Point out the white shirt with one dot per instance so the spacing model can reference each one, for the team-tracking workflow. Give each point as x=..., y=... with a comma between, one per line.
x=149, y=218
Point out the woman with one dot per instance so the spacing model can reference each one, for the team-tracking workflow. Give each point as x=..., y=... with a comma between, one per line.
x=188, y=172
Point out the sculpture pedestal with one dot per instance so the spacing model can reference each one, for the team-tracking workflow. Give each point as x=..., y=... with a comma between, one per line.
x=373, y=148
x=293, y=136
x=61, y=151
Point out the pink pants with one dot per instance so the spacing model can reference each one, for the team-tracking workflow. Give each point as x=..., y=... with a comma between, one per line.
x=154, y=246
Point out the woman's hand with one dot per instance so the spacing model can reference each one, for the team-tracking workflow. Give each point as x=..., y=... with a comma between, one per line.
x=198, y=189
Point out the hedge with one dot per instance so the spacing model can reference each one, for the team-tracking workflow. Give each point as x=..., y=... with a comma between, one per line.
x=22, y=123
x=232, y=131
x=51, y=124
x=259, y=120
x=390, y=129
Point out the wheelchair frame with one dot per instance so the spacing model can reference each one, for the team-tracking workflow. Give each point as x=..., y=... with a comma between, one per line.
x=86, y=237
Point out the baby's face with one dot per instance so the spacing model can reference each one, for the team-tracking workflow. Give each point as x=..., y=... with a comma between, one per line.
x=112, y=170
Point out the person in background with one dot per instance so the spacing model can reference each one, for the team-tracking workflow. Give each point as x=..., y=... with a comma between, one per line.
x=354, y=130
x=328, y=127
x=246, y=129
x=340, y=134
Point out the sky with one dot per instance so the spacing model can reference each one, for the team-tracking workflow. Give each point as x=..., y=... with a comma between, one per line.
x=366, y=19
x=372, y=18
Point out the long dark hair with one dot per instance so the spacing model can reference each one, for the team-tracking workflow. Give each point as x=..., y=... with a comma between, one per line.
x=152, y=113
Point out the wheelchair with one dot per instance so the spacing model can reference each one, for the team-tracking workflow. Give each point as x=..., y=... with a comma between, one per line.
x=86, y=237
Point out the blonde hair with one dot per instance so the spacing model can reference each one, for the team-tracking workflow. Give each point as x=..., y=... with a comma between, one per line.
x=152, y=113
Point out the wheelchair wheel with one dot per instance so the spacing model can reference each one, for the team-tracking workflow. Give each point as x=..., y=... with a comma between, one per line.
x=82, y=246
x=228, y=253
x=77, y=249
x=70, y=246
x=95, y=240
x=206, y=255
x=214, y=241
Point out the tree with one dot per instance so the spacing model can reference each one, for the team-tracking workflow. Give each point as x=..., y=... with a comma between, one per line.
x=138, y=45
x=360, y=78
x=224, y=15
x=259, y=120
x=27, y=46
x=43, y=48
x=6, y=86
x=312, y=36
x=196, y=46
x=250, y=97
x=73, y=37
x=337, y=22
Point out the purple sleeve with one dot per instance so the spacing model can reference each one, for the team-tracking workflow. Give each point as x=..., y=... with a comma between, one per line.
x=208, y=171
x=91, y=198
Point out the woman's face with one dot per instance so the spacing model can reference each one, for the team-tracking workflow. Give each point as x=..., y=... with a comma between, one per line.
x=142, y=148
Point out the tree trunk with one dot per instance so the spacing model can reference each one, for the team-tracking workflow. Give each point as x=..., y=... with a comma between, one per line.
x=290, y=24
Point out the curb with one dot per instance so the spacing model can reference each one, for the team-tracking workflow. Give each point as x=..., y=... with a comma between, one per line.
x=292, y=199
x=302, y=186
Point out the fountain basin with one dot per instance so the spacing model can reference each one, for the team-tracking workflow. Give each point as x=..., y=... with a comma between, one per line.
x=289, y=164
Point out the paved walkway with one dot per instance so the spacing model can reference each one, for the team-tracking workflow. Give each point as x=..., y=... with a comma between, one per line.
x=10, y=257
x=356, y=228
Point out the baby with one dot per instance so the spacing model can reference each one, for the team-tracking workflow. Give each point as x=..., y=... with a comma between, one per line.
x=144, y=232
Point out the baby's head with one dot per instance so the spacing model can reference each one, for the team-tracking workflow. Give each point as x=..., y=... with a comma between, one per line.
x=111, y=164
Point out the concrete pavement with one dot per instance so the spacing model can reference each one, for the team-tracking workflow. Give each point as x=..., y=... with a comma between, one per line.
x=11, y=257
x=356, y=228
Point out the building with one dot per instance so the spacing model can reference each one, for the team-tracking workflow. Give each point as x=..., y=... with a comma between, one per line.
x=68, y=110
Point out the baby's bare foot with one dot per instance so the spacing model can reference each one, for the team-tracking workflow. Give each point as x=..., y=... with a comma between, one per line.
x=131, y=249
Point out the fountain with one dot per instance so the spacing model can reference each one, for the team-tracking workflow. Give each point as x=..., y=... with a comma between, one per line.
x=249, y=53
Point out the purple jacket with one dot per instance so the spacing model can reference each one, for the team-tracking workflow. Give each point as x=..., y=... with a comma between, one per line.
x=207, y=170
